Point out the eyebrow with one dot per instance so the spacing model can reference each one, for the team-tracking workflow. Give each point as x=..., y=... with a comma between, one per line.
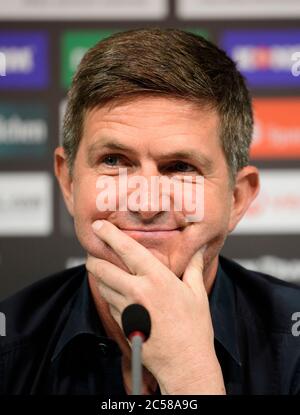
x=114, y=144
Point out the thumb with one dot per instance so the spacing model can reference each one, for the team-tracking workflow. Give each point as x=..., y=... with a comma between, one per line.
x=193, y=274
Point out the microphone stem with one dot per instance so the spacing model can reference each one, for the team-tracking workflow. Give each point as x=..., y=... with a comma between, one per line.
x=136, y=364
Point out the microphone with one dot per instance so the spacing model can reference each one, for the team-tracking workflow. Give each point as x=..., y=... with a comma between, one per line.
x=136, y=324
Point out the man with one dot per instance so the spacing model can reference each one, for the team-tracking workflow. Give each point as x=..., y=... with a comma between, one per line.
x=155, y=103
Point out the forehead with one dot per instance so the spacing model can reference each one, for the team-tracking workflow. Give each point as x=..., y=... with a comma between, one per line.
x=157, y=116
x=155, y=128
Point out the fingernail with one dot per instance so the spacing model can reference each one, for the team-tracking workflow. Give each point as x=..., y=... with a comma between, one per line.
x=97, y=225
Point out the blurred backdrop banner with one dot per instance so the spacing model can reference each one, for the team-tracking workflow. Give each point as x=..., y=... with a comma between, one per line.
x=41, y=44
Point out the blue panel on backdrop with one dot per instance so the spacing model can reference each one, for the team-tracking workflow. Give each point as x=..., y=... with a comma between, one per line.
x=26, y=60
x=266, y=58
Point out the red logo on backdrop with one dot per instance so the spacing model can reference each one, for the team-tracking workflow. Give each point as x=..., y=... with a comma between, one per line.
x=277, y=128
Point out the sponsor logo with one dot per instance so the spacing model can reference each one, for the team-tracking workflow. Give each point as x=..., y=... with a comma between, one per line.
x=276, y=128
x=264, y=57
x=284, y=269
x=26, y=204
x=23, y=130
x=277, y=207
x=74, y=46
x=26, y=59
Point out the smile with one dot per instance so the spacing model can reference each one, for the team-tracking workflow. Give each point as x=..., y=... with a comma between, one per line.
x=152, y=234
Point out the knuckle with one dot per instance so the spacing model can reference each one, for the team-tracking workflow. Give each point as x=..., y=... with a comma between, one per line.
x=142, y=292
x=137, y=294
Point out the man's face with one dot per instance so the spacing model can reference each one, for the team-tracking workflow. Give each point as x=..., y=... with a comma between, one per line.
x=143, y=136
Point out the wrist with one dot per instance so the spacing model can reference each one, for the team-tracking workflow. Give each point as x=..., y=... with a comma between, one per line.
x=193, y=378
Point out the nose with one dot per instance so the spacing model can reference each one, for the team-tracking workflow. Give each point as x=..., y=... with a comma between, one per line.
x=147, y=216
x=148, y=203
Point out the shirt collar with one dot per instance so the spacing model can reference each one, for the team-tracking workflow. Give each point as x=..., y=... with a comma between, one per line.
x=83, y=317
x=223, y=313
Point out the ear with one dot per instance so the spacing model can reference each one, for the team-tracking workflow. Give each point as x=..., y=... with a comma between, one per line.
x=245, y=190
x=64, y=178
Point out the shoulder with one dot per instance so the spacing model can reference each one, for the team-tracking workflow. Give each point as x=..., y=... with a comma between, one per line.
x=40, y=304
x=272, y=301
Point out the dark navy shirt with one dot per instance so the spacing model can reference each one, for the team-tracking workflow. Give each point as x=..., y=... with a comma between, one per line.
x=55, y=342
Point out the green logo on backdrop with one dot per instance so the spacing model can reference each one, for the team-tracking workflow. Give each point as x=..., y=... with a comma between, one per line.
x=73, y=47
x=23, y=130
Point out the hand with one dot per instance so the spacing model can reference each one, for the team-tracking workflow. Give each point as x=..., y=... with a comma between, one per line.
x=180, y=351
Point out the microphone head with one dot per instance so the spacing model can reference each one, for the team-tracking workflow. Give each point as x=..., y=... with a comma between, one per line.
x=135, y=317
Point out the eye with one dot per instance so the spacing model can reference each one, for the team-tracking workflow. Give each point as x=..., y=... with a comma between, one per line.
x=181, y=166
x=111, y=160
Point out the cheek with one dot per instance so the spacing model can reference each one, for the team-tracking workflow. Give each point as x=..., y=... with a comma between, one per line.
x=216, y=208
x=85, y=213
x=86, y=210
x=213, y=229
x=192, y=201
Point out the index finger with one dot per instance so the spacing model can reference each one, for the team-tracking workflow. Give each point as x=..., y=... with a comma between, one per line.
x=135, y=256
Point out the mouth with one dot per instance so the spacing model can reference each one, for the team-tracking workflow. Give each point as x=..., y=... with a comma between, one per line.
x=152, y=233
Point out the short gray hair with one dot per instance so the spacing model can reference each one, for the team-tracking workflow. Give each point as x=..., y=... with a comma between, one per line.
x=168, y=62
